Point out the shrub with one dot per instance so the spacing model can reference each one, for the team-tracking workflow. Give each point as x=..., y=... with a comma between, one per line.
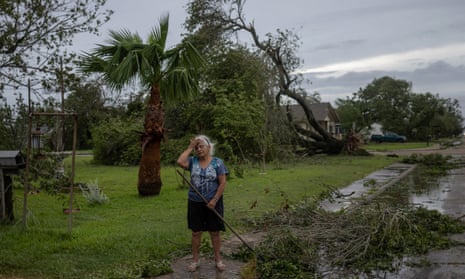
x=172, y=148
x=116, y=142
x=93, y=194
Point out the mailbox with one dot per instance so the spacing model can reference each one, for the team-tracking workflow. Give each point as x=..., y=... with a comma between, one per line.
x=11, y=161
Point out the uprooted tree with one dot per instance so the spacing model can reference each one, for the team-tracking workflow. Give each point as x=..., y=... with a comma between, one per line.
x=279, y=51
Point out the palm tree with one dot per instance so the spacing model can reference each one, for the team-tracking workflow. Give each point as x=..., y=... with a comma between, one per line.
x=169, y=73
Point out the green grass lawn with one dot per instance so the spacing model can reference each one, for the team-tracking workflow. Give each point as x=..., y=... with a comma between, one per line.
x=390, y=146
x=108, y=240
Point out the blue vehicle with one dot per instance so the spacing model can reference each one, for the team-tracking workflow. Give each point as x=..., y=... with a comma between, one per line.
x=388, y=137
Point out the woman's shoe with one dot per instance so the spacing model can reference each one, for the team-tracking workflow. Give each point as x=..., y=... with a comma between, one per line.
x=220, y=266
x=193, y=266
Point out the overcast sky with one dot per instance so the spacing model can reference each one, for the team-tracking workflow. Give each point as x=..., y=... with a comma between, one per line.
x=345, y=44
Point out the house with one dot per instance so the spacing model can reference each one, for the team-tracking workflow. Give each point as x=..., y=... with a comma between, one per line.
x=324, y=114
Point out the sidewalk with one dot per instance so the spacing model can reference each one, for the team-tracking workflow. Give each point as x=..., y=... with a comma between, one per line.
x=207, y=268
x=374, y=184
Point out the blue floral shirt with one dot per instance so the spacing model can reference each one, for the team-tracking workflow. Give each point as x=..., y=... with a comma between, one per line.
x=205, y=179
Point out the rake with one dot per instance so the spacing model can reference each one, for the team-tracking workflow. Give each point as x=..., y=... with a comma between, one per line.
x=216, y=212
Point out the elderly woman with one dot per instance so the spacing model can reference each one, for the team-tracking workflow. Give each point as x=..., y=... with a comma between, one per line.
x=208, y=175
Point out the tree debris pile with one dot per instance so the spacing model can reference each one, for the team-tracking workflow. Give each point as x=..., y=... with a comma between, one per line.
x=305, y=242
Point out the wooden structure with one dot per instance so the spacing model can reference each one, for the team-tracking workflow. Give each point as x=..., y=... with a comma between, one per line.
x=29, y=149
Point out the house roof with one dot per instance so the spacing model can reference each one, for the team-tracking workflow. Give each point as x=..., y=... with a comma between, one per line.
x=321, y=112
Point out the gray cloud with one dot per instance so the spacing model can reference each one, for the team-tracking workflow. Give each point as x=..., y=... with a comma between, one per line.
x=438, y=78
x=338, y=45
x=334, y=32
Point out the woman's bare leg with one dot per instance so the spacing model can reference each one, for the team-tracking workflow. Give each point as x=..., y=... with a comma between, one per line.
x=216, y=242
x=196, y=239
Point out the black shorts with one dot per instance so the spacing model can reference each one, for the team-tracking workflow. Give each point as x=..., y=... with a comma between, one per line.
x=201, y=218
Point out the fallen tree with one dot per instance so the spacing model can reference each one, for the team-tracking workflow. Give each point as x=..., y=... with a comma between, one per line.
x=279, y=51
x=368, y=240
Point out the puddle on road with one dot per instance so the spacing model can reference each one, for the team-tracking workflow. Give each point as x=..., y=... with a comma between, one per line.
x=444, y=194
x=414, y=189
x=431, y=193
x=433, y=198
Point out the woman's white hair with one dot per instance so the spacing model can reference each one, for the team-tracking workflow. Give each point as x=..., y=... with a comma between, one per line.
x=208, y=142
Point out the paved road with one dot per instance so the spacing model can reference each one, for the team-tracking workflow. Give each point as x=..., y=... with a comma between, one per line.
x=450, y=263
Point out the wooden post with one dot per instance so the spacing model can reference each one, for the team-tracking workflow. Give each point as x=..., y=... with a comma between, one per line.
x=73, y=165
x=2, y=189
x=28, y=161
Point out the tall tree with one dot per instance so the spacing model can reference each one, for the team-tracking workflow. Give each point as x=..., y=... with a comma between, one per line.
x=13, y=124
x=279, y=50
x=424, y=109
x=389, y=101
x=88, y=102
x=236, y=105
x=350, y=110
x=450, y=121
x=170, y=74
x=33, y=35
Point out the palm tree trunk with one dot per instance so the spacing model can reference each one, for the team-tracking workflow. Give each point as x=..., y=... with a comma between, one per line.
x=149, y=180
